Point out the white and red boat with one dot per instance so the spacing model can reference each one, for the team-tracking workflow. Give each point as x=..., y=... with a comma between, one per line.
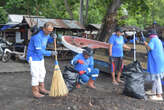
x=77, y=43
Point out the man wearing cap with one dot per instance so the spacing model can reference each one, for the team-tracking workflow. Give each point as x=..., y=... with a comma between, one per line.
x=35, y=56
x=84, y=64
x=116, y=45
x=155, y=65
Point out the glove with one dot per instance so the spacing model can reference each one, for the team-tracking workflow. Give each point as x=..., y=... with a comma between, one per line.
x=81, y=72
x=53, y=35
x=54, y=53
x=132, y=50
x=110, y=59
x=80, y=61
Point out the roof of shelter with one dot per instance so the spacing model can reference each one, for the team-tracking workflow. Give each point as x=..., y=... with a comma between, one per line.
x=30, y=20
x=93, y=26
x=16, y=19
x=131, y=28
x=58, y=23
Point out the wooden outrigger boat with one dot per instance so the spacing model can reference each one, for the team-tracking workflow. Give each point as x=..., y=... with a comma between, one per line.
x=77, y=43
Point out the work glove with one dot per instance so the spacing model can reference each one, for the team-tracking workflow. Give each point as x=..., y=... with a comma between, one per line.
x=110, y=59
x=132, y=50
x=54, y=53
x=81, y=72
x=53, y=35
x=80, y=61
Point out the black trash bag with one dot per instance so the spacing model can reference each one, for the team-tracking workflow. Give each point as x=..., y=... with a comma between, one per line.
x=134, y=80
x=71, y=77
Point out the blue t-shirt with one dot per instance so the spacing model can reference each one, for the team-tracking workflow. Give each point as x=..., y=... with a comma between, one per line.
x=88, y=63
x=117, y=45
x=37, y=46
x=155, y=63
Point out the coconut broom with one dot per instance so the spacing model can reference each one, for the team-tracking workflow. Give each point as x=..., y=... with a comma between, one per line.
x=58, y=86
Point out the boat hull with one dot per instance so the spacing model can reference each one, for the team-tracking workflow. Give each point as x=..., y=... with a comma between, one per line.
x=76, y=44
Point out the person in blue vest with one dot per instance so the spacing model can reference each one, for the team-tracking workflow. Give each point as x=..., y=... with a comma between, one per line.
x=35, y=56
x=116, y=45
x=84, y=64
x=155, y=65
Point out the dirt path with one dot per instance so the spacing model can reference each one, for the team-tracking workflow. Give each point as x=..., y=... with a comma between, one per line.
x=15, y=94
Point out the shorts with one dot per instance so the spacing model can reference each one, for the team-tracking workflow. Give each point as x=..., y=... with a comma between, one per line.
x=38, y=71
x=117, y=64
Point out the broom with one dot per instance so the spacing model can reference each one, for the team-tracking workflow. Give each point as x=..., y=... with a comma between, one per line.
x=58, y=86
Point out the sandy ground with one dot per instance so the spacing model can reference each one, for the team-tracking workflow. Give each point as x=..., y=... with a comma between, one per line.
x=15, y=94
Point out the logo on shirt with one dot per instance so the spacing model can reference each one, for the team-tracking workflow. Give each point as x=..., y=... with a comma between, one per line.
x=119, y=42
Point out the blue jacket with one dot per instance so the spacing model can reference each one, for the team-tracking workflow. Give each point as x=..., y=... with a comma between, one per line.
x=155, y=63
x=37, y=46
x=88, y=63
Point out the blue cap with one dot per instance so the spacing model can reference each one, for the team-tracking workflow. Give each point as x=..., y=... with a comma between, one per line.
x=152, y=32
x=88, y=51
x=119, y=29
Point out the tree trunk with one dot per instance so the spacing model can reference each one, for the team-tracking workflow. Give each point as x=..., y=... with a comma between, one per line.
x=109, y=22
x=37, y=8
x=81, y=19
x=2, y=3
x=86, y=12
x=68, y=9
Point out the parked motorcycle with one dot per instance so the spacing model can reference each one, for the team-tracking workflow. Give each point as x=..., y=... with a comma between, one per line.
x=5, y=52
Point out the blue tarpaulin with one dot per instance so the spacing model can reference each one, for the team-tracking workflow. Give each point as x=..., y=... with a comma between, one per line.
x=132, y=40
x=7, y=27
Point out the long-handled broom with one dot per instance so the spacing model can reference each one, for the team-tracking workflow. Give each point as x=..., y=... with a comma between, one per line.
x=58, y=86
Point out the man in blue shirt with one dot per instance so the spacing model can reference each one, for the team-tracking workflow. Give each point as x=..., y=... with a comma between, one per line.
x=84, y=64
x=155, y=65
x=35, y=56
x=116, y=46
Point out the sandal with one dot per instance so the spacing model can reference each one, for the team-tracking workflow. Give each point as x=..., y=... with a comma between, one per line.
x=150, y=92
x=115, y=83
x=156, y=98
x=121, y=81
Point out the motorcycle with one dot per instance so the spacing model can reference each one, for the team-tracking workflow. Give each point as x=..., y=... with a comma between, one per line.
x=5, y=51
x=8, y=49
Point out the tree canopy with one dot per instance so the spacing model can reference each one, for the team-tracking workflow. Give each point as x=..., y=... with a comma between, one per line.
x=131, y=12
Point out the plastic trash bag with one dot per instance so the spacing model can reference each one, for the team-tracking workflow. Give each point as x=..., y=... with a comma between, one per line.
x=134, y=81
x=71, y=77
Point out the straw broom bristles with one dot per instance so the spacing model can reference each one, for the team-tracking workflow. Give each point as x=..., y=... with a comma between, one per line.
x=58, y=86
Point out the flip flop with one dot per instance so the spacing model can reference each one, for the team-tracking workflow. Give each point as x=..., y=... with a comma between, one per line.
x=156, y=98
x=150, y=93
x=115, y=83
x=121, y=81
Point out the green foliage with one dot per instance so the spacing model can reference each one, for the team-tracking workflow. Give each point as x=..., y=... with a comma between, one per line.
x=3, y=16
x=56, y=9
x=143, y=13
x=140, y=12
x=15, y=6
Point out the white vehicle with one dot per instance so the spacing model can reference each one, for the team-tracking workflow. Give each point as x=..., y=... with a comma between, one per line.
x=6, y=51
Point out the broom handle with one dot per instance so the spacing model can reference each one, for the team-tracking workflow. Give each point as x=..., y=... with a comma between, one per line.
x=55, y=48
x=134, y=45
